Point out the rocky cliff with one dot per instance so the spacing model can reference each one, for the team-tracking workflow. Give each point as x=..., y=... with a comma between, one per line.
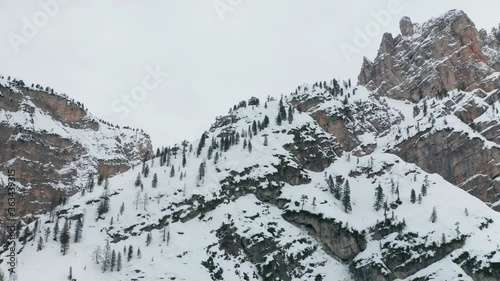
x=53, y=144
x=450, y=66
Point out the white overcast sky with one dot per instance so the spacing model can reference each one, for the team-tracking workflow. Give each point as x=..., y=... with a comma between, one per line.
x=99, y=51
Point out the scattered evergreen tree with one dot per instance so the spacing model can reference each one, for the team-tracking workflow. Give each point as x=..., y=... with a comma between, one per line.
x=420, y=198
x=172, y=171
x=413, y=197
x=146, y=171
x=250, y=146
x=47, y=234
x=254, y=128
x=265, y=123
x=423, y=190
x=433, y=218
x=130, y=253
x=56, y=230
x=106, y=257
x=139, y=255
x=266, y=141
x=78, y=230
x=303, y=199
x=70, y=275
x=148, y=239
x=64, y=238
x=122, y=208
x=466, y=212
x=119, y=262
x=216, y=158
x=379, y=198
x=39, y=246
x=201, y=144
x=278, y=120
x=201, y=173
x=346, y=198
x=154, y=183
x=210, y=152
x=138, y=180
x=290, y=114
x=113, y=261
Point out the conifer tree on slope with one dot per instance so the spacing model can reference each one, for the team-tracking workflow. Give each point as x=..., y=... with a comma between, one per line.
x=379, y=198
x=64, y=238
x=346, y=198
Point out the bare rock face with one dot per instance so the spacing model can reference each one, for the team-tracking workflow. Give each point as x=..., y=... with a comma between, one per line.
x=54, y=144
x=462, y=161
x=427, y=59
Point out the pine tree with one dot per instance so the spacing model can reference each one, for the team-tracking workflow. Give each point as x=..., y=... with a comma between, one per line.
x=346, y=198
x=433, y=218
x=47, y=234
x=138, y=180
x=379, y=198
x=154, y=183
x=423, y=190
x=70, y=275
x=250, y=146
x=146, y=171
x=290, y=114
x=78, y=230
x=278, y=120
x=303, y=199
x=466, y=212
x=254, y=128
x=201, y=144
x=139, y=255
x=119, y=262
x=148, y=239
x=56, y=230
x=266, y=141
x=130, y=253
x=64, y=238
x=172, y=172
x=265, y=123
x=201, y=173
x=413, y=197
x=113, y=261
x=122, y=208
x=106, y=261
x=216, y=158
x=39, y=246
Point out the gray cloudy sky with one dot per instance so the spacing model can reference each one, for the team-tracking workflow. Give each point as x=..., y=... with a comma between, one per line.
x=115, y=55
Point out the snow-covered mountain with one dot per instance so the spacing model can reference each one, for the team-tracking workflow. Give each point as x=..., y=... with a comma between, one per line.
x=331, y=182
x=52, y=143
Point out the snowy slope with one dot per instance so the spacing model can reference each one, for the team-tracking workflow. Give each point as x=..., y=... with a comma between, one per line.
x=249, y=218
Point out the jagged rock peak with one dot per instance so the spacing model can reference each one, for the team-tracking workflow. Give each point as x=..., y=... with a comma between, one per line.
x=406, y=26
x=442, y=54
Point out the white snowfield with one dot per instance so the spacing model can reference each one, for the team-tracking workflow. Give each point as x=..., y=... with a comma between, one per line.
x=195, y=241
